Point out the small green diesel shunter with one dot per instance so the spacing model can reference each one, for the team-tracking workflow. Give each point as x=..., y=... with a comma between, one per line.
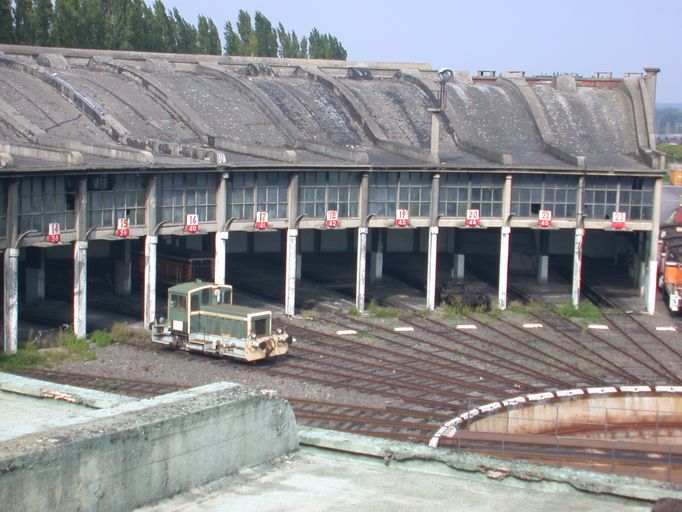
x=202, y=318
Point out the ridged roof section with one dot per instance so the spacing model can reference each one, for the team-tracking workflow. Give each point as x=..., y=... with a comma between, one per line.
x=597, y=123
x=399, y=107
x=312, y=109
x=45, y=108
x=133, y=105
x=90, y=107
x=226, y=111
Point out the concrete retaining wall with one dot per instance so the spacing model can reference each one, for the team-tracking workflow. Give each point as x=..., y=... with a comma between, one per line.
x=584, y=414
x=137, y=453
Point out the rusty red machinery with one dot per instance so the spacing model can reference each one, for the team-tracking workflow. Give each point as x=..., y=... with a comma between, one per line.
x=670, y=260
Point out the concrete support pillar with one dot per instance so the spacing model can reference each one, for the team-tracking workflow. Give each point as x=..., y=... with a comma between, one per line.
x=220, y=262
x=504, y=244
x=290, y=275
x=80, y=288
x=376, y=258
x=150, y=244
x=431, y=269
x=80, y=263
x=221, y=236
x=361, y=270
x=457, y=267
x=577, y=266
x=123, y=272
x=543, y=257
x=504, y=268
x=11, y=270
x=543, y=268
x=653, y=249
x=11, y=300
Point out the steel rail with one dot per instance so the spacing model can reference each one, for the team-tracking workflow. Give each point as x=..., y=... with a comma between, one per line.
x=322, y=337
x=488, y=374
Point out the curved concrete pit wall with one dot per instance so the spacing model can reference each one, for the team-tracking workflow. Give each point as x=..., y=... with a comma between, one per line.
x=140, y=452
x=623, y=416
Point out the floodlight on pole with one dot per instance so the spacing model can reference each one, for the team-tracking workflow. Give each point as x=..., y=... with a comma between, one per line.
x=444, y=76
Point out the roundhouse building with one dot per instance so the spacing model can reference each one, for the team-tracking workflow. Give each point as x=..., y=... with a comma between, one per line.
x=114, y=158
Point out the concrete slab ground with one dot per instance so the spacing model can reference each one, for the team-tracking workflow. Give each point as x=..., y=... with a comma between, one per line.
x=318, y=480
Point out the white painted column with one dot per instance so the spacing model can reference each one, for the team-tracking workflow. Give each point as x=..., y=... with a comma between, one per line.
x=504, y=267
x=80, y=287
x=290, y=275
x=150, y=244
x=505, y=234
x=431, y=269
x=220, y=256
x=577, y=266
x=11, y=296
x=361, y=270
x=653, y=249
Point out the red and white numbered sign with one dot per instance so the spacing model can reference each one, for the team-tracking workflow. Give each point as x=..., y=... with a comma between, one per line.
x=473, y=217
x=618, y=220
x=261, y=220
x=402, y=217
x=192, y=223
x=122, y=228
x=545, y=218
x=54, y=234
x=332, y=219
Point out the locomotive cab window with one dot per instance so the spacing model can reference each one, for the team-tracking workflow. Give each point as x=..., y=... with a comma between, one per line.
x=195, y=302
x=260, y=326
x=178, y=301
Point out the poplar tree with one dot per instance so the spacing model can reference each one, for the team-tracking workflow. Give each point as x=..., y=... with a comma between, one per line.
x=44, y=15
x=6, y=22
x=24, y=22
x=66, y=30
x=92, y=24
x=232, y=41
x=247, y=39
x=266, y=38
x=213, y=38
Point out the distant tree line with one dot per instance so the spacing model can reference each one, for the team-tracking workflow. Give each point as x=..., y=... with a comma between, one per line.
x=133, y=25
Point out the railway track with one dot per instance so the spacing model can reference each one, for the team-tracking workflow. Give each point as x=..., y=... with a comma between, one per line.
x=130, y=387
x=430, y=370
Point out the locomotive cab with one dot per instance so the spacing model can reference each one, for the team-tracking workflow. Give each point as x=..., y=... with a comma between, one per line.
x=202, y=318
x=670, y=272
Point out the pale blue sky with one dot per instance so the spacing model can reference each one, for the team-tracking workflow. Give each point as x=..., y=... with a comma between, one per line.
x=576, y=36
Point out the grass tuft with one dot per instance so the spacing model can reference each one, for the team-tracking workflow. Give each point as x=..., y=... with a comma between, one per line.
x=585, y=311
x=122, y=331
x=383, y=312
x=101, y=338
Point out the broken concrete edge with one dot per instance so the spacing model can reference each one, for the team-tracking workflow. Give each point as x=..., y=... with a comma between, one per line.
x=49, y=390
x=140, y=452
x=494, y=468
